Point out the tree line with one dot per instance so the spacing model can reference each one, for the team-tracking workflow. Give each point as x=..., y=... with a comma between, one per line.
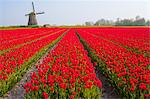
x=137, y=21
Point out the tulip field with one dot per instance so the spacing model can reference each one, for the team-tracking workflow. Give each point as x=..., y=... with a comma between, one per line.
x=121, y=54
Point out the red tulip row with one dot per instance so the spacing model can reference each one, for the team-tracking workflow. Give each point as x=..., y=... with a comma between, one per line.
x=15, y=42
x=66, y=73
x=2, y=52
x=7, y=35
x=133, y=38
x=128, y=71
x=14, y=63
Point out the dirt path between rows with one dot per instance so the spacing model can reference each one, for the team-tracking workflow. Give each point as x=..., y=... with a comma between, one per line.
x=107, y=91
x=18, y=91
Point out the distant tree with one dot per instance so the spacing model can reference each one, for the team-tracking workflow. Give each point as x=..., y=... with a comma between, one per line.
x=148, y=23
x=117, y=22
x=127, y=22
x=137, y=17
x=89, y=23
x=103, y=22
x=138, y=21
x=100, y=22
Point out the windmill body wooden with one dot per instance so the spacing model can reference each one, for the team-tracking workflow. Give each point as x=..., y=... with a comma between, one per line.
x=32, y=16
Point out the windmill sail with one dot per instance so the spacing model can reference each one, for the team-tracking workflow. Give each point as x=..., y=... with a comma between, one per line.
x=27, y=14
x=33, y=7
x=40, y=13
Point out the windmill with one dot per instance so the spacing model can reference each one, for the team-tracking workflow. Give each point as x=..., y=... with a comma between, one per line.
x=32, y=16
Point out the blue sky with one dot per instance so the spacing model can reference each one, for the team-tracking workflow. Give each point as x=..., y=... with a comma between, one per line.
x=70, y=12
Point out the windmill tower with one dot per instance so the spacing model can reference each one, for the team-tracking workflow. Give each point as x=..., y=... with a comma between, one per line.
x=32, y=16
